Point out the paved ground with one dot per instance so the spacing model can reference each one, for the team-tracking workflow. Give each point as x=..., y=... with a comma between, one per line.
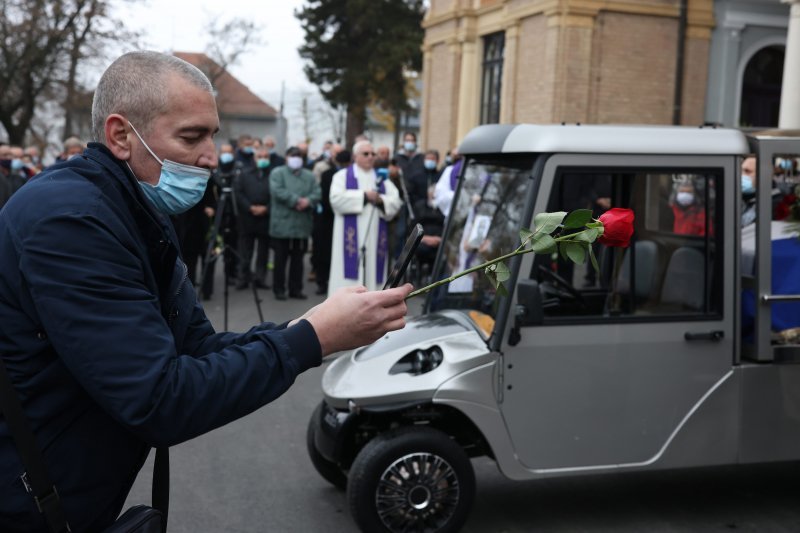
x=254, y=475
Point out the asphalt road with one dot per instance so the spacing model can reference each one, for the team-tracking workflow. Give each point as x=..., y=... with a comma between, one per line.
x=253, y=475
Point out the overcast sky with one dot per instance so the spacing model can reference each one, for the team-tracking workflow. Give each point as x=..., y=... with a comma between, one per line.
x=179, y=25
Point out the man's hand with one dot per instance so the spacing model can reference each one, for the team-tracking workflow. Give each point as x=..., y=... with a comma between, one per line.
x=354, y=317
x=258, y=210
x=302, y=204
x=372, y=197
x=431, y=240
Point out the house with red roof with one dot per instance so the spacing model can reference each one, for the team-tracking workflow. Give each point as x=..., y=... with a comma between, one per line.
x=240, y=110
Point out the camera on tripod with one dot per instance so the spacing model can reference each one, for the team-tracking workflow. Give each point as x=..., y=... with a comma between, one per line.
x=225, y=181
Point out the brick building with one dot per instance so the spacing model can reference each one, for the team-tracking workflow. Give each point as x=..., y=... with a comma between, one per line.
x=598, y=61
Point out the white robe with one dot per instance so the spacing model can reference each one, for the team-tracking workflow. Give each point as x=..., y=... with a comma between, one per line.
x=351, y=201
x=442, y=193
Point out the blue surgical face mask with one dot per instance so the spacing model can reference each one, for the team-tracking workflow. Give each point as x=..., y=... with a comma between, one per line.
x=179, y=187
x=225, y=158
x=17, y=164
x=409, y=146
x=430, y=164
x=248, y=150
x=747, y=184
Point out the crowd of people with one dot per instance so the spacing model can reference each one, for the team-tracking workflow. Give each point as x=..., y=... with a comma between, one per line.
x=274, y=208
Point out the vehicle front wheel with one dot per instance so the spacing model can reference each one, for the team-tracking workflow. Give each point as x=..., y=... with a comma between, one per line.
x=411, y=479
x=328, y=470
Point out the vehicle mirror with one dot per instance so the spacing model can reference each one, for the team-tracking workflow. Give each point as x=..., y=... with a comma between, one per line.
x=529, y=303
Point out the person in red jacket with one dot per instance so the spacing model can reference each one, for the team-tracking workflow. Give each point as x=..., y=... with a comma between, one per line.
x=689, y=211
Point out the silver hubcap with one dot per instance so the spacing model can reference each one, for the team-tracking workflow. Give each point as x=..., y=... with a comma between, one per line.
x=418, y=492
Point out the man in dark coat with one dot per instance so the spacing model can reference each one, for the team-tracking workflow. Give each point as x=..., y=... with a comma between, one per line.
x=323, y=221
x=251, y=190
x=102, y=334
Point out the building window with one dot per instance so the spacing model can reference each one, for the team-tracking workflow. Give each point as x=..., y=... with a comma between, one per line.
x=493, y=46
x=761, y=88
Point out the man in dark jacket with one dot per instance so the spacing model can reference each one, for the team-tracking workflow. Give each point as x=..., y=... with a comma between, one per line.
x=251, y=190
x=100, y=330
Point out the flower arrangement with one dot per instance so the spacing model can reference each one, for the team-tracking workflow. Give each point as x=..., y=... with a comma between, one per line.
x=571, y=234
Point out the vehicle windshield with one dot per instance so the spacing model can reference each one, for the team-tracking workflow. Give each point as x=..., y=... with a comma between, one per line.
x=486, y=216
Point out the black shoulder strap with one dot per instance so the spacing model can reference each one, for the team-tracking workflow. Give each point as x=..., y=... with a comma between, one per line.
x=44, y=492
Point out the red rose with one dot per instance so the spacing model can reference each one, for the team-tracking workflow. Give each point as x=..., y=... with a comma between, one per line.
x=784, y=208
x=617, y=227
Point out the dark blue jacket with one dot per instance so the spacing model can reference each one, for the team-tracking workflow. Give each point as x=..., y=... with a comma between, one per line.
x=107, y=345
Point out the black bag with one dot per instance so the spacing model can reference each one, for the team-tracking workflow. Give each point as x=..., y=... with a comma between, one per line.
x=137, y=519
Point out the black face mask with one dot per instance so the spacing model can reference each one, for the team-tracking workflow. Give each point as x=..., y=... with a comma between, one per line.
x=5, y=163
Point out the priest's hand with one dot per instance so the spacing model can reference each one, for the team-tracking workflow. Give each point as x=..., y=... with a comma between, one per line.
x=354, y=317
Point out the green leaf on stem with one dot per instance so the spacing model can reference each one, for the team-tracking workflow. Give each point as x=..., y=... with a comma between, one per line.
x=588, y=235
x=548, y=222
x=501, y=290
x=578, y=218
x=575, y=251
x=594, y=260
x=562, y=251
x=543, y=243
x=501, y=272
x=524, y=235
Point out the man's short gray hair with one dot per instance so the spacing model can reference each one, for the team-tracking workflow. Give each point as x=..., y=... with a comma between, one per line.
x=133, y=86
x=357, y=146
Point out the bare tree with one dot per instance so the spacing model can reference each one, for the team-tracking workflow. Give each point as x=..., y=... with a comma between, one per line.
x=228, y=41
x=42, y=44
x=94, y=32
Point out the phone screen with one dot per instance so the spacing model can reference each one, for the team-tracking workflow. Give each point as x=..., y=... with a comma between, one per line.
x=405, y=258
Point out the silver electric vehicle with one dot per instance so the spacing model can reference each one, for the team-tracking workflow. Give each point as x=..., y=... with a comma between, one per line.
x=680, y=351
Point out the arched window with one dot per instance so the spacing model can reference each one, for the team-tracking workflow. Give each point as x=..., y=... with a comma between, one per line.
x=761, y=88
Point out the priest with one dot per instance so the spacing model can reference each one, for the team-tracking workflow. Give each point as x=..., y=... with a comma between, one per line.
x=362, y=204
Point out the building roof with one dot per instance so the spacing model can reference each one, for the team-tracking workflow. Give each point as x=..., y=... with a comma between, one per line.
x=603, y=139
x=234, y=99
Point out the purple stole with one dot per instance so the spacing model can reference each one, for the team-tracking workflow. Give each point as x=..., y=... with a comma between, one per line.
x=454, y=174
x=351, y=236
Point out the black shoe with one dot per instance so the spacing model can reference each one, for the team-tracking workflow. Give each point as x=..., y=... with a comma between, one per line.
x=322, y=290
x=298, y=296
x=261, y=285
x=242, y=285
x=280, y=295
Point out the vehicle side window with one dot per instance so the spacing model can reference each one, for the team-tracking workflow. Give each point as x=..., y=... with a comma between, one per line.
x=670, y=267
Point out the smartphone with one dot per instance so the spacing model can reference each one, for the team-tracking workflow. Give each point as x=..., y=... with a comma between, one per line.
x=405, y=258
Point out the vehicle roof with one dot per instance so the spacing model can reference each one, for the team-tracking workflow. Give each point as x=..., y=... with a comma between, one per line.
x=603, y=139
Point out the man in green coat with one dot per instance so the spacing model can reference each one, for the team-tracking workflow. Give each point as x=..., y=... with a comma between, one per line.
x=294, y=196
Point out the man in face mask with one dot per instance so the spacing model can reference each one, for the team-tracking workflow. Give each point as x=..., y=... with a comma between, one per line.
x=748, y=178
x=104, y=338
x=411, y=161
x=251, y=188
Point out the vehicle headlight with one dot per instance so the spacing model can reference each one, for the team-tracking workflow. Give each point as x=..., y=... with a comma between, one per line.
x=418, y=362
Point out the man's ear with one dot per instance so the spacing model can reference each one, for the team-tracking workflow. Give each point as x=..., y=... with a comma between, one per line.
x=116, y=131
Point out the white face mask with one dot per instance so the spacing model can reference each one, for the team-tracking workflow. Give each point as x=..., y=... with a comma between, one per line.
x=294, y=162
x=684, y=198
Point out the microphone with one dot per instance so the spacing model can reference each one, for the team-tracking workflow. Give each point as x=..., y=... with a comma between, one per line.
x=383, y=175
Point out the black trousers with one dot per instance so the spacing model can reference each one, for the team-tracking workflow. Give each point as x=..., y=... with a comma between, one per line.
x=247, y=243
x=291, y=252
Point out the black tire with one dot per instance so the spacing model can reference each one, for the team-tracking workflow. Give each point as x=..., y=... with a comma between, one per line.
x=328, y=470
x=411, y=479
